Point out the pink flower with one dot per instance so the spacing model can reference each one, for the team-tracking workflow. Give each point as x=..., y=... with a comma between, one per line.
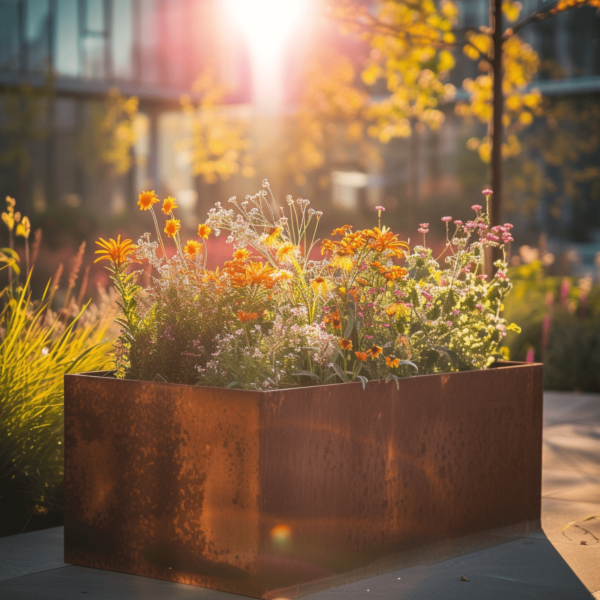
x=427, y=295
x=480, y=307
x=446, y=219
x=492, y=237
x=385, y=324
x=455, y=311
x=482, y=277
x=423, y=225
x=421, y=230
x=408, y=304
x=368, y=337
x=507, y=238
x=458, y=223
x=501, y=275
x=487, y=192
x=476, y=207
x=449, y=323
x=482, y=225
x=470, y=224
x=508, y=225
x=530, y=355
x=379, y=208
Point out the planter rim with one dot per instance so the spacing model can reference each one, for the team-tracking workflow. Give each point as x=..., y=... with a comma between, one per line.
x=497, y=365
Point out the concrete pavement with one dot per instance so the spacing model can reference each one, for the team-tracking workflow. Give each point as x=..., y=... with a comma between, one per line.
x=561, y=562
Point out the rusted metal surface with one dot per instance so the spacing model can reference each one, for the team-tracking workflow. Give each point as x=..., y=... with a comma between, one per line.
x=266, y=493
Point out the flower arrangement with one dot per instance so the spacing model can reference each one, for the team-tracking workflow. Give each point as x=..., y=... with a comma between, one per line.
x=282, y=314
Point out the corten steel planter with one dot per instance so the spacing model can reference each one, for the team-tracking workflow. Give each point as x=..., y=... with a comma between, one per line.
x=278, y=494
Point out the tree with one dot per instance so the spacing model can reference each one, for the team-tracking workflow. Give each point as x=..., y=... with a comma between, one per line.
x=411, y=43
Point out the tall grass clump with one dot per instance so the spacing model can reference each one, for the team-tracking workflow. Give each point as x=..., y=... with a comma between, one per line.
x=37, y=347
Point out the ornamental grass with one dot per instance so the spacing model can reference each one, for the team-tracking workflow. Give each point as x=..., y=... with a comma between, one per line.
x=38, y=346
x=290, y=309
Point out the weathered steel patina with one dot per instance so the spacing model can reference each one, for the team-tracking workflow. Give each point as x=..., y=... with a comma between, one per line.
x=278, y=494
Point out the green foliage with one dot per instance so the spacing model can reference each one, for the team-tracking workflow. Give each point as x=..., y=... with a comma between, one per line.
x=560, y=320
x=36, y=349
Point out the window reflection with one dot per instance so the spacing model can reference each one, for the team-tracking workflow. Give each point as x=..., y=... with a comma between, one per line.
x=122, y=39
x=37, y=34
x=9, y=39
x=67, y=38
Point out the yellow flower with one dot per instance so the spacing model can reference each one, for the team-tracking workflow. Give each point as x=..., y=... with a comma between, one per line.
x=392, y=362
x=147, y=199
x=169, y=204
x=193, y=248
x=271, y=239
x=345, y=344
x=320, y=285
x=204, y=231
x=374, y=352
x=241, y=254
x=24, y=228
x=285, y=252
x=342, y=262
x=115, y=250
x=172, y=226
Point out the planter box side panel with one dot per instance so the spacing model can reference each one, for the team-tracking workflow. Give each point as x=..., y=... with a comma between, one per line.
x=352, y=477
x=163, y=481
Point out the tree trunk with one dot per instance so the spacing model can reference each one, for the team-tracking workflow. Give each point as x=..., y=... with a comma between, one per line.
x=498, y=108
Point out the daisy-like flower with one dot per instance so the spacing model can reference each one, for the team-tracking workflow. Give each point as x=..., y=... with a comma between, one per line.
x=345, y=344
x=116, y=251
x=374, y=352
x=192, y=248
x=362, y=356
x=147, y=199
x=320, y=285
x=169, y=204
x=285, y=252
x=245, y=317
x=172, y=226
x=204, y=231
x=272, y=238
x=342, y=262
x=392, y=362
x=241, y=254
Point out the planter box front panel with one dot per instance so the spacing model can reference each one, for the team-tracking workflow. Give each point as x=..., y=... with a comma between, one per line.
x=163, y=481
x=264, y=494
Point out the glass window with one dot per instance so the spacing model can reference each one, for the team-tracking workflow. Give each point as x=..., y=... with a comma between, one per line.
x=94, y=15
x=122, y=39
x=93, y=47
x=37, y=34
x=9, y=34
x=148, y=40
x=67, y=38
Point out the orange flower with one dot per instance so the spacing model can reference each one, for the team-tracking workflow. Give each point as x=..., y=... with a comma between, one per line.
x=345, y=344
x=172, y=226
x=169, y=204
x=374, y=352
x=116, y=251
x=193, y=248
x=343, y=230
x=335, y=319
x=285, y=252
x=384, y=239
x=392, y=362
x=362, y=356
x=204, y=231
x=147, y=199
x=241, y=254
x=245, y=317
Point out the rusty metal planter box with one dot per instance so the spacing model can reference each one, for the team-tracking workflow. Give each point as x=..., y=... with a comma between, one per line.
x=278, y=494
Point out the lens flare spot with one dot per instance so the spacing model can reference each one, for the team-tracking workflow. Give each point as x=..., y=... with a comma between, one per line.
x=281, y=535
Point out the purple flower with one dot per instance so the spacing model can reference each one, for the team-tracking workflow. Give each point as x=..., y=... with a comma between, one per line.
x=385, y=324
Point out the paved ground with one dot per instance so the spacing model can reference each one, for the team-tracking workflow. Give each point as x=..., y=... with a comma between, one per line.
x=557, y=563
